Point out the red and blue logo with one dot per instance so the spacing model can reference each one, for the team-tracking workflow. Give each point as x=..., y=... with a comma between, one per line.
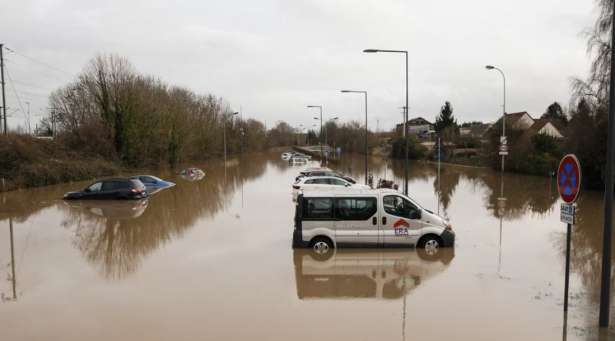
x=401, y=223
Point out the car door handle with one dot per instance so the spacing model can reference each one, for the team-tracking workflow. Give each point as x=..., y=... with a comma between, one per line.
x=374, y=221
x=384, y=220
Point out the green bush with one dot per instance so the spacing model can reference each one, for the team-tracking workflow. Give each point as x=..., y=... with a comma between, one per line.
x=415, y=151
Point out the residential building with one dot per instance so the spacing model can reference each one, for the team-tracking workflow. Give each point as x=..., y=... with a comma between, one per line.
x=417, y=126
x=530, y=126
x=474, y=130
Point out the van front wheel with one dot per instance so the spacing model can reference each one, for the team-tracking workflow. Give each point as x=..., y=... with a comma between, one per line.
x=429, y=246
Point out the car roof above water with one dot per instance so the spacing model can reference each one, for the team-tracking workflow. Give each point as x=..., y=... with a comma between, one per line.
x=345, y=191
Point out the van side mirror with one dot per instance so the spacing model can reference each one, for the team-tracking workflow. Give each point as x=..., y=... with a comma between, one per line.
x=415, y=215
x=87, y=190
x=347, y=185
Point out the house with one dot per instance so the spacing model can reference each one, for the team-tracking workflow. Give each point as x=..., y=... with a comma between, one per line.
x=524, y=122
x=474, y=130
x=545, y=127
x=519, y=120
x=417, y=126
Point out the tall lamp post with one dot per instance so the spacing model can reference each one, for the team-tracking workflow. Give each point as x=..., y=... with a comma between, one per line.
x=364, y=93
x=319, y=137
x=329, y=120
x=406, y=112
x=503, y=139
x=224, y=132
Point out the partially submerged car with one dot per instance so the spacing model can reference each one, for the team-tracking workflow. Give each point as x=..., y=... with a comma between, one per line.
x=152, y=183
x=192, y=174
x=114, y=188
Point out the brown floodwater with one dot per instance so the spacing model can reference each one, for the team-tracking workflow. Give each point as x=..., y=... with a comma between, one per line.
x=212, y=260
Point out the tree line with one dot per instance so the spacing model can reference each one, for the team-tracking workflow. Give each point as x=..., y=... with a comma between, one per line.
x=112, y=111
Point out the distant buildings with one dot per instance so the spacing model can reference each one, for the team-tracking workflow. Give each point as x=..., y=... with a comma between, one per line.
x=417, y=126
x=531, y=127
x=475, y=129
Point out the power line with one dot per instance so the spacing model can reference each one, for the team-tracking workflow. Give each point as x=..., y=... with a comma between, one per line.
x=38, y=61
x=15, y=91
x=27, y=93
x=27, y=67
x=30, y=85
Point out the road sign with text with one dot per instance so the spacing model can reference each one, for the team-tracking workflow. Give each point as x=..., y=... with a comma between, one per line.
x=567, y=213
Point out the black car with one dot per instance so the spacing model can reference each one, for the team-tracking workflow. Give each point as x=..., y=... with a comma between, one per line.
x=117, y=188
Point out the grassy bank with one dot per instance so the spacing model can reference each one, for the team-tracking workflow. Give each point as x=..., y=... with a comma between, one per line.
x=30, y=162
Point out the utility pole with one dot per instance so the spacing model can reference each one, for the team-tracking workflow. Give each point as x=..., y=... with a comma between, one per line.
x=3, y=93
x=605, y=289
x=28, y=118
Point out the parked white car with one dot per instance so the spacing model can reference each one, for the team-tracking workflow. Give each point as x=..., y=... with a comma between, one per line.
x=325, y=182
x=297, y=160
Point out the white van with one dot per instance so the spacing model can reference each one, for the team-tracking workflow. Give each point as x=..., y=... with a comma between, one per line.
x=367, y=218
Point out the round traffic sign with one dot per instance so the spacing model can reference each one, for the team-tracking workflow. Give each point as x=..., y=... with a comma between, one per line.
x=569, y=178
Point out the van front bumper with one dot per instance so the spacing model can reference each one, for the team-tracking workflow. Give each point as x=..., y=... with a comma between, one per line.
x=448, y=238
x=298, y=241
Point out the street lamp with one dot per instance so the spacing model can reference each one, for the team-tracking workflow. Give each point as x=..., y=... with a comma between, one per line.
x=364, y=93
x=503, y=139
x=326, y=143
x=224, y=132
x=406, y=111
x=320, y=137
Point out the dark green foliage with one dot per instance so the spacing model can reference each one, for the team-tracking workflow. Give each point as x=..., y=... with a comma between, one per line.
x=415, y=151
x=31, y=162
x=545, y=144
x=556, y=113
x=587, y=138
x=538, y=154
x=445, y=119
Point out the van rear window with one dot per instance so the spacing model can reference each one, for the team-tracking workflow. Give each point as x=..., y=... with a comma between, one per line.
x=318, y=208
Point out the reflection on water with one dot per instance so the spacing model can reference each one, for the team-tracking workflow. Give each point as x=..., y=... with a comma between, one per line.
x=386, y=274
x=10, y=272
x=116, y=235
x=223, y=245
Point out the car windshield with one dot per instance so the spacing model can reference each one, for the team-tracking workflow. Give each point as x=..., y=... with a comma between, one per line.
x=95, y=187
x=138, y=184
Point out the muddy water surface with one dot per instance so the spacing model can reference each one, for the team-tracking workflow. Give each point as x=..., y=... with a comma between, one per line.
x=212, y=260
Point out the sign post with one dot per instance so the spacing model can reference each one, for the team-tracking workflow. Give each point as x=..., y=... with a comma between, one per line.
x=568, y=186
x=503, y=150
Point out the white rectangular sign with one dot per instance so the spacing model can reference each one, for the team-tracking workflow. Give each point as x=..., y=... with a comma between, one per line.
x=567, y=213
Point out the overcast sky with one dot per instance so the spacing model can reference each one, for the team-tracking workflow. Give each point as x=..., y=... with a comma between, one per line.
x=274, y=57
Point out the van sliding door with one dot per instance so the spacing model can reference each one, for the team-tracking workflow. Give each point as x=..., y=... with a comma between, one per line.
x=356, y=221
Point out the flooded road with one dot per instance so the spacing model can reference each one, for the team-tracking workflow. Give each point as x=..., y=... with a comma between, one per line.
x=212, y=259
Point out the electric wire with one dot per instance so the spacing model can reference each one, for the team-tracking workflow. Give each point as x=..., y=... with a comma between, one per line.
x=38, y=61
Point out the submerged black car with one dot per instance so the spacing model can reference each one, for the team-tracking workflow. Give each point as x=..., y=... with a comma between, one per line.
x=117, y=188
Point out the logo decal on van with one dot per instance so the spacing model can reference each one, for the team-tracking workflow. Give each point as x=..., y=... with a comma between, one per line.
x=401, y=227
x=401, y=222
